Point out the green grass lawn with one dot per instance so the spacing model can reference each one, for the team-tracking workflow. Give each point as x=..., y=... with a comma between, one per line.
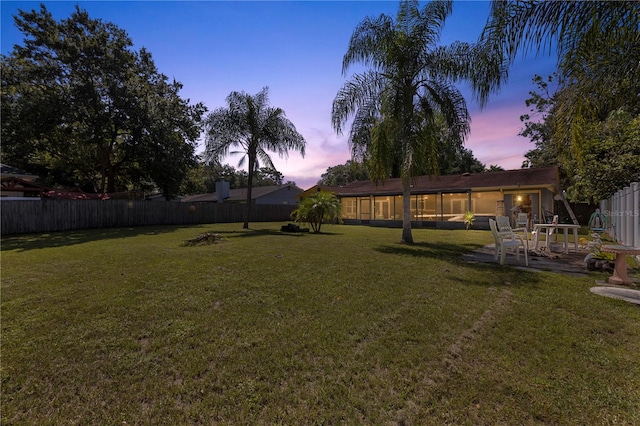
x=345, y=327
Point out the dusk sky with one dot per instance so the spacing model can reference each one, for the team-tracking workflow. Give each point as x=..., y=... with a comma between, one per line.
x=295, y=48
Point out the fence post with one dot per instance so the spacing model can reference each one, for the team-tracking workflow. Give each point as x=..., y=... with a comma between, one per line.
x=623, y=209
x=628, y=216
x=617, y=209
x=635, y=217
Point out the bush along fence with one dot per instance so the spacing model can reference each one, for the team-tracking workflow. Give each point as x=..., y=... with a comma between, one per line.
x=22, y=217
x=623, y=214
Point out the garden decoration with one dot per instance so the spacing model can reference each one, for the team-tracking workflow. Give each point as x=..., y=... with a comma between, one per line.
x=620, y=270
x=597, y=224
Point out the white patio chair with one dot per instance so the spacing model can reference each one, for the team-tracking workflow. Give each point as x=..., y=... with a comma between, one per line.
x=503, y=225
x=548, y=234
x=522, y=222
x=554, y=221
x=506, y=241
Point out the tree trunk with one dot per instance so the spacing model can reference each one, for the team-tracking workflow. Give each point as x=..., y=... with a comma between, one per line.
x=407, y=237
x=252, y=166
x=111, y=181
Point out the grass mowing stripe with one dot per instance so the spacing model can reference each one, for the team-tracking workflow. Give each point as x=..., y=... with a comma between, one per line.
x=129, y=325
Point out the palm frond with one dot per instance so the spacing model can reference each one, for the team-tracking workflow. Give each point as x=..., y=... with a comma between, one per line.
x=251, y=124
x=361, y=90
x=368, y=42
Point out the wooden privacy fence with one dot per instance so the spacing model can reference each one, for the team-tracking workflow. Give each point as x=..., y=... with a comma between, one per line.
x=22, y=217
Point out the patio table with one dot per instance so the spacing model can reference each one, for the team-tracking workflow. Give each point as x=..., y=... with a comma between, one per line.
x=620, y=268
x=565, y=227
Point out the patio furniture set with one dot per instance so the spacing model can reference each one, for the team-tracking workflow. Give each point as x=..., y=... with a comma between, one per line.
x=508, y=239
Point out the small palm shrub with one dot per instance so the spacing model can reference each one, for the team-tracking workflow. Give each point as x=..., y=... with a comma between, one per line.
x=314, y=210
x=469, y=218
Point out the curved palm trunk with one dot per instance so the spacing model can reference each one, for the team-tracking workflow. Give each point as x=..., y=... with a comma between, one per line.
x=407, y=237
x=247, y=212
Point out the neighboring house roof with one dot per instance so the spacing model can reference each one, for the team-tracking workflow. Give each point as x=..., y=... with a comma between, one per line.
x=538, y=177
x=73, y=194
x=196, y=198
x=160, y=197
x=240, y=194
x=15, y=184
x=10, y=171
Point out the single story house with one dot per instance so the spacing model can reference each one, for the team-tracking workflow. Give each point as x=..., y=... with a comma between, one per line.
x=18, y=183
x=273, y=194
x=441, y=201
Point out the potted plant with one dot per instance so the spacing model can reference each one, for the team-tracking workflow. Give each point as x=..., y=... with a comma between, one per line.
x=599, y=260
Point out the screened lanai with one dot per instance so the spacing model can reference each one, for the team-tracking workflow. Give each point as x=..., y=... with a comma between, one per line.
x=441, y=201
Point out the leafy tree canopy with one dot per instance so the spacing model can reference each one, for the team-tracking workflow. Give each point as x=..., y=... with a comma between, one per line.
x=610, y=151
x=598, y=56
x=80, y=107
x=611, y=157
x=459, y=160
x=538, y=125
x=494, y=168
x=343, y=174
x=454, y=160
x=203, y=177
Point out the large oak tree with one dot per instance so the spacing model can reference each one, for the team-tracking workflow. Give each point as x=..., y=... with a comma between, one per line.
x=81, y=107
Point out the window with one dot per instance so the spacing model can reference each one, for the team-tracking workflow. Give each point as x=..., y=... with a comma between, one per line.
x=454, y=206
x=365, y=208
x=382, y=208
x=397, y=213
x=424, y=207
x=349, y=208
x=487, y=203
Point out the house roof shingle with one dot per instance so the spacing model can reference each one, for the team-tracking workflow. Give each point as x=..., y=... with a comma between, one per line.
x=239, y=194
x=9, y=171
x=545, y=177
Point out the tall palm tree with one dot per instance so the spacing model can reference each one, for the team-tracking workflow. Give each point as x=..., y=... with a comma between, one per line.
x=400, y=104
x=597, y=49
x=255, y=127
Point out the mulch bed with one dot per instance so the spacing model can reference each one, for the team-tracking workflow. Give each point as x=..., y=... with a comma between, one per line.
x=203, y=239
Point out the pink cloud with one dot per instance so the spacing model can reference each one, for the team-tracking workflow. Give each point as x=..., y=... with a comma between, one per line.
x=494, y=136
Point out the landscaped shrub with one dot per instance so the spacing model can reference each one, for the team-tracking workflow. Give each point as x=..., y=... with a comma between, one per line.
x=317, y=208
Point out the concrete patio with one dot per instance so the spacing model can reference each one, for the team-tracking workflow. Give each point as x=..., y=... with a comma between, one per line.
x=571, y=263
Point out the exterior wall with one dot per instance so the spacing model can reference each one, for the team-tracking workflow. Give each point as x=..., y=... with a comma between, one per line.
x=285, y=195
x=416, y=224
x=547, y=203
x=12, y=194
x=526, y=201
